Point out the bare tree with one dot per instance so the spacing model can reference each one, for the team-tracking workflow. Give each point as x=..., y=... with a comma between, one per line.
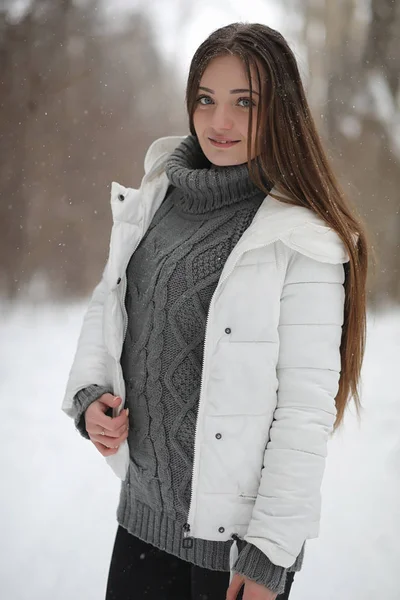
x=80, y=104
x=354, y=61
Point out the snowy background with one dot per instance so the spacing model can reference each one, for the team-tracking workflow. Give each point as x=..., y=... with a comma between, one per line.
x=59, y=497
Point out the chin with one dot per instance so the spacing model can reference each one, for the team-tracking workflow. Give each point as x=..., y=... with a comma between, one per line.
x=220, y=158
x=225, y=161
x=224, y=158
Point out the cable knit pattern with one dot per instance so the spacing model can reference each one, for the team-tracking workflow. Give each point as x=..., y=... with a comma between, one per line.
x=171, y=278
x=168, y=295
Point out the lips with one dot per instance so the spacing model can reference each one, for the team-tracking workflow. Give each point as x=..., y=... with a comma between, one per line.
x=223, y=143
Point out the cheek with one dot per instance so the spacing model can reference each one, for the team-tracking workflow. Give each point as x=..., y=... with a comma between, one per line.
x=243, y=123
x=253, y=129
x=198, y=118
x=197, y=124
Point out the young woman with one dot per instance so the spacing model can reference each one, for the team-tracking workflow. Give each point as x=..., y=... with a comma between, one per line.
x=226, y=335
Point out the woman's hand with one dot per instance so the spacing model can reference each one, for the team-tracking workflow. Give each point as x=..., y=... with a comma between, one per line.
x=115, y=429
x=252, y=590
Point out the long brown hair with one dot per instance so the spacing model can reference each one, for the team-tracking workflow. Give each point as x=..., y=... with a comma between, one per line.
x=292, y=157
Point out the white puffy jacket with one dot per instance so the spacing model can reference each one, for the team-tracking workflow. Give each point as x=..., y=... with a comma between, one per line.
x=270, y=371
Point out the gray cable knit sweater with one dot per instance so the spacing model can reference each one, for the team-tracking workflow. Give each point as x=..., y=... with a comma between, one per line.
x=170, y=281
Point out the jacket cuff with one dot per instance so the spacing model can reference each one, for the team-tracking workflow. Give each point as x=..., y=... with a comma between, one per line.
x=82, y=400
x=255, y=565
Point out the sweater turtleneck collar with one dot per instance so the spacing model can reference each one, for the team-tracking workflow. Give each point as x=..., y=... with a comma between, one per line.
x=205, y=186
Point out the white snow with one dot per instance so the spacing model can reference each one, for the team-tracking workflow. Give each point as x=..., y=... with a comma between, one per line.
x=59, y=497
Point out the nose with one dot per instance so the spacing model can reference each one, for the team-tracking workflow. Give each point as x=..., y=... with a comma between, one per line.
x=222, y=120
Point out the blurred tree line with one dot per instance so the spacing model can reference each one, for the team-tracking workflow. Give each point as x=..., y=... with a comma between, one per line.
x=353, y=56
x=81, y=100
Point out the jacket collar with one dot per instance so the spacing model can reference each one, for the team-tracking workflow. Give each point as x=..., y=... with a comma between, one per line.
x=297, y=226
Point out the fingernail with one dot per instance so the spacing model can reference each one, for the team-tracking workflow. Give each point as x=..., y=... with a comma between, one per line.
x=127, y=411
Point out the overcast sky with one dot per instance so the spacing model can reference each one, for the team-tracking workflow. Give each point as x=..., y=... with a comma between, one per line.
x=182, y=25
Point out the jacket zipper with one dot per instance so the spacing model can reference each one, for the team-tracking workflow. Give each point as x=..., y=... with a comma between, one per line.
x=189, y=526
x=123, y=273
x=123, y=292
x=125, y=318
x=187, y=538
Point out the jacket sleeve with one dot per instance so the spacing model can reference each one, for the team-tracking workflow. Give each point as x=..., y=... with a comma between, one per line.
x=287, y=507
x=90, y=362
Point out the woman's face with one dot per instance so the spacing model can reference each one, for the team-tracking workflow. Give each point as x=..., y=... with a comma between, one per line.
x=222, y=111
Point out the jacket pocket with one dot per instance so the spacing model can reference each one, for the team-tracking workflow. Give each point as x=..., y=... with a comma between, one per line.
x=248, y=496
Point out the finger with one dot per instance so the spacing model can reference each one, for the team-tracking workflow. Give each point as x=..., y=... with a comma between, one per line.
x=110, y=400
x=234, y=587
x=122, y=429
x=120, y=421
x=101, y=420
x=96, y=430
x=109, y=442
x=104, y=441
x=122, y=437
x=105, y=451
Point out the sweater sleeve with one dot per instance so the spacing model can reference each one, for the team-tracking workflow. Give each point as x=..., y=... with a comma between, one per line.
x=82, y=400
x=255, y=565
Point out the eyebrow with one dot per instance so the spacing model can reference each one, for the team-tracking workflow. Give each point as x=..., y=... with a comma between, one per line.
x=236, y=91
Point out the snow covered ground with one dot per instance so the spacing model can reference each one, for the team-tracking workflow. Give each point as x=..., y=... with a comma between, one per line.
x=59, y=498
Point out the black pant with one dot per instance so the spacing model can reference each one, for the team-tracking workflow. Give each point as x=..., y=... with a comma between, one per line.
x=139, y=571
